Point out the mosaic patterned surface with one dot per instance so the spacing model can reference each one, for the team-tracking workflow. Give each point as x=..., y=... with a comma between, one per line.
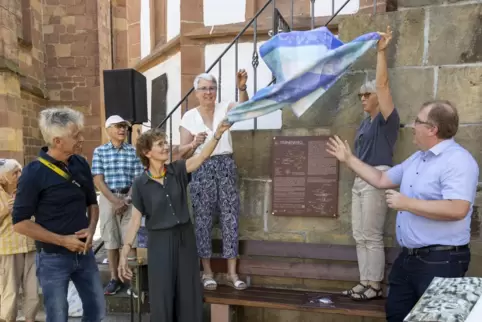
x=447, y=300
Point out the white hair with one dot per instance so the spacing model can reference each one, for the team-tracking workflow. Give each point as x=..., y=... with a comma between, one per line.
x=205, y=76
x=7, y=165
x=55, y=122
x=369, y=87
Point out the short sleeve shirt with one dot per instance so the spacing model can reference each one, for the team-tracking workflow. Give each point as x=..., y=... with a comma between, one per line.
x=193, y=122
x=58, y=205
x=445, y=172
x=375, y=139
x=163, y=205
x=119, y=166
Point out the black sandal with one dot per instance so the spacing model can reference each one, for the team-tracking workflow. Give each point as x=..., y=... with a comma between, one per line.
x=352, y=291
x=363, y=297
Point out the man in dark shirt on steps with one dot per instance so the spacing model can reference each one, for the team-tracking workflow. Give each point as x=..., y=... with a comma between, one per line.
x=58, y=190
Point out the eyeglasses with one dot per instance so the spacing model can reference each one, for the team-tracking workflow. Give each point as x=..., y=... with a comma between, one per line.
x=419, y=121
x=2, y=162
x=364, y=95
x=207, y=89
x=120, y=126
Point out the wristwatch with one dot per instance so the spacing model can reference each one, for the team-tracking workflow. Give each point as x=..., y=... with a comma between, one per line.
x=243, y=89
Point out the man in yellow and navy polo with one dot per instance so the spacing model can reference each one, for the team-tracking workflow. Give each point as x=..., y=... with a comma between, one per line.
x=57, y=189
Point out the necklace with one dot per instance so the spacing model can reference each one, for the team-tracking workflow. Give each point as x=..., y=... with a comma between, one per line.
x=163, y=174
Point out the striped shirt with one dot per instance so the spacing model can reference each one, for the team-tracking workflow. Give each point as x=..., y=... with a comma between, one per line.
x=11, y=242
x=119, y=166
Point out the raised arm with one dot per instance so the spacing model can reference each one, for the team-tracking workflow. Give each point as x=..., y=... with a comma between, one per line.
x=194, y=162
x=383, y=88
x=341, y=150
x=241, y=79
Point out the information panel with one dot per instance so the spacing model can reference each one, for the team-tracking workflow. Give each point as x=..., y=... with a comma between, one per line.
x=305, y=177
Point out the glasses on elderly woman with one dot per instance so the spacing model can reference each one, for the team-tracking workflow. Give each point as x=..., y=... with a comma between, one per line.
x=207, y=89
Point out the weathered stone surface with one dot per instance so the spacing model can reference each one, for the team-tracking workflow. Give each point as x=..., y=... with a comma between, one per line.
x=407, y=46
x=463, y=87
x=455, y=35
x=252, y=152
x=410, y=88
x=303, y=224
x=255, y=195
x=470, y=136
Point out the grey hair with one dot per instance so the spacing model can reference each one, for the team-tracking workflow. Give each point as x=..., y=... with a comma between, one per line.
x=369, y=87
x=205, y=76
x=7, y=165
x=55, y=122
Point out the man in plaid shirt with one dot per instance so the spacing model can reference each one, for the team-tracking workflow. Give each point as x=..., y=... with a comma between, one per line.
x=114, y=167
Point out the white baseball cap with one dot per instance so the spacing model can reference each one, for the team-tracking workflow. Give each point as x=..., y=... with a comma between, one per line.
x=115, y=119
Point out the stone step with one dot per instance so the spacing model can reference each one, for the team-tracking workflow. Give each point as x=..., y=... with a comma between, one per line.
x=112, y=317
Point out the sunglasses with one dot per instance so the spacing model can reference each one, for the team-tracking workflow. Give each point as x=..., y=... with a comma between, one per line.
x=2, y=162
x=364, y=95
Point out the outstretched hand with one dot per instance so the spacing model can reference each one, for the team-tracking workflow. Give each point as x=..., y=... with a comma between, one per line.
x=385, y=38
x=222, y=127
x=339, y=149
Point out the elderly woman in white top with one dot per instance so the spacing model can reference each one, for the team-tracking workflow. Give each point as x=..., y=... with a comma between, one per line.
x=213, y=185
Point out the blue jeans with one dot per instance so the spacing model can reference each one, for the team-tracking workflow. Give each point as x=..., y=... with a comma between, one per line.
x=54, y=272
x=412, y=274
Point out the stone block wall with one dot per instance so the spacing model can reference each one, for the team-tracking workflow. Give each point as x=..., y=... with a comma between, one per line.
x=52, y=53
x=72, y=71
x=436, y=53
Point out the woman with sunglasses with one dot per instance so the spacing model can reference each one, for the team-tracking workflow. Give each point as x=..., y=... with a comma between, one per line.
x=374, y=144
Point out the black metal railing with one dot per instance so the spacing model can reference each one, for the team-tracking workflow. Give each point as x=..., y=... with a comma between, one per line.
x=279, y=25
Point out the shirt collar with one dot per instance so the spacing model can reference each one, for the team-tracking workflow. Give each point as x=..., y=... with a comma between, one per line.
x=43, y=154
x=441, y=146
x=110, y=145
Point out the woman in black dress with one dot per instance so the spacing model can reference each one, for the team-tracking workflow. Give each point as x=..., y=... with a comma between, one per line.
x=160, y=195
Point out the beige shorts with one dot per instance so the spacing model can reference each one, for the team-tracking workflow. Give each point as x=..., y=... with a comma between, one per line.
x=113, y=228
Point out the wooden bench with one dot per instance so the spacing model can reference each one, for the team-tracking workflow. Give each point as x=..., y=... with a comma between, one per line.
x=270, y=258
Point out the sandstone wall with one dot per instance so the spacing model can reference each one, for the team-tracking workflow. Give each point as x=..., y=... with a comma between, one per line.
x=436, y=53
x=52, y=53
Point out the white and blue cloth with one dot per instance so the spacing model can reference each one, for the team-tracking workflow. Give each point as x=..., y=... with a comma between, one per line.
x=306, y=64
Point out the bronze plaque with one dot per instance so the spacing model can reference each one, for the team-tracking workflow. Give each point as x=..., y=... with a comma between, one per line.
x=305, y=177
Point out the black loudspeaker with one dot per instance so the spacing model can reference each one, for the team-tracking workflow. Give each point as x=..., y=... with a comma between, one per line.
x=159, y=101
x=125, y=94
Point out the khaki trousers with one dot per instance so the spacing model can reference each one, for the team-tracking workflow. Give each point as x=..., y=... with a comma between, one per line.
x=369, y=209
x=18, y=271
x=113, y=228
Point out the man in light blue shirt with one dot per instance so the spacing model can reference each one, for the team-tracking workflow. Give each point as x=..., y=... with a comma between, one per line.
x=437, y=190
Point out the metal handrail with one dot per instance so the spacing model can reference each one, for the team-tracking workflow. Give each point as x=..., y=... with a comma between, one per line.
x=235, y=42
x=260, y=11
x=276, y=17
